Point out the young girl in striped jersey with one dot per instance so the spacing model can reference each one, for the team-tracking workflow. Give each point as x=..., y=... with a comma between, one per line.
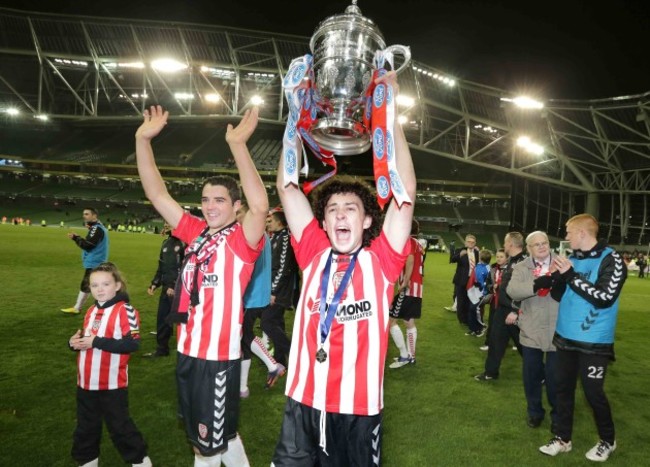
x=111, y=331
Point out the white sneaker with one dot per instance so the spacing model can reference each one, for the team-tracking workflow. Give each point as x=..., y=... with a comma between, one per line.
x=450, y=308
x=146, y=462
x=92, y=463
x=400, y=362
x=601, y=451
x=484, y=348
x=555, y=446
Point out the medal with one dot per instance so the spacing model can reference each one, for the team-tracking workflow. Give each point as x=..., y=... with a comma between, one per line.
x=321, y=355
x=326, y=310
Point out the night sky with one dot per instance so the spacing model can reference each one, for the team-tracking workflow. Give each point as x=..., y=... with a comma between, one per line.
x=566, y=49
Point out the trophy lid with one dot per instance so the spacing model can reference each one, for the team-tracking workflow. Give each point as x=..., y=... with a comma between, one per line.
x=351, y=19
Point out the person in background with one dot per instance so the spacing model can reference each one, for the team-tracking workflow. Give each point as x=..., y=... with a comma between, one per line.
x=466, y=259
x=172, y=252
x=407, y=304
x=256, y=298
x=111, y=332
x=283, y=282
x=642, y=263
x=476, y=293
x=94, y=251
x=492, y=283
x=593, y=277
x=532, y=284
x=504, y=323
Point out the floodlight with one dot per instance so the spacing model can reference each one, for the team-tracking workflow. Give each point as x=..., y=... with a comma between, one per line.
x=527, y=144
x=405, y=101
x=42, y=117
x=524, y=102
x=13, y=111
x=257, y=100
x=212, y=98
x=184, y=96
x=168, y=65
x=402, y=119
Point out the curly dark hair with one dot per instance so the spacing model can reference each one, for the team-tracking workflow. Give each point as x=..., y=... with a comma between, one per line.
x=344, y=184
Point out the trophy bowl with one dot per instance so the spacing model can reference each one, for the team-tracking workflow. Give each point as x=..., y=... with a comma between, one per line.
x=344, y=48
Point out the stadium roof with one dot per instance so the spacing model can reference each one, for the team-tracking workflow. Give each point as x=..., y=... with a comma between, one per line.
x=88, y=68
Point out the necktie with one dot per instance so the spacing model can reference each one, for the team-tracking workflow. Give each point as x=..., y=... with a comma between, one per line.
x=472, y=265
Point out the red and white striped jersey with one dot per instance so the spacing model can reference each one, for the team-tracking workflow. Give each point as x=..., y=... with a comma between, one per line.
x=225, y=263
x=99, y=370
x=350, y=380
x=416, y=279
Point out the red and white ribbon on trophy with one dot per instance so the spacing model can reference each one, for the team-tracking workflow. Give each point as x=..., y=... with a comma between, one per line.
x=304, y=103
x=299, y=92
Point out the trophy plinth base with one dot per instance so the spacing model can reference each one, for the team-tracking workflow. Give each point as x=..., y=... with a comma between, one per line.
x=344, y=137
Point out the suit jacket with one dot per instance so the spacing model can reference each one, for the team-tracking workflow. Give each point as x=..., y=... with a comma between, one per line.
x=462, y=266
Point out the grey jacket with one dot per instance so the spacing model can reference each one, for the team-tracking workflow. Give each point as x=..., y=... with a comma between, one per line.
x=538, y=314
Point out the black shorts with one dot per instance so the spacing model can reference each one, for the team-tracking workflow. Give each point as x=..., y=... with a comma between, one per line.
x=350, y=439
x=208, y=401
x=85, y=282
x=406, y=308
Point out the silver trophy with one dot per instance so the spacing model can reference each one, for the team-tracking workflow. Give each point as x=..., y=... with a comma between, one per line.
x=343, y=47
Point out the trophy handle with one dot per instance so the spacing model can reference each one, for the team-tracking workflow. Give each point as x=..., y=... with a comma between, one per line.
x=401, y=50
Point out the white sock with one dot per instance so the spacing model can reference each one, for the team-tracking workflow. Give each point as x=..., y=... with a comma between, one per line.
x=81, y=298
x=235, y=456
x=398, y=338
x=92, y=463
x=203, y=461
x=412, y=337
x=243, y=380
x=260, y=350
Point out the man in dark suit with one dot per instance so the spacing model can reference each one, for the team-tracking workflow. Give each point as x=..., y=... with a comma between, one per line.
x=466, y=259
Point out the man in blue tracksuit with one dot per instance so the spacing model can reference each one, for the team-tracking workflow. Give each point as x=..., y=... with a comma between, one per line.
x=94, y=251
x=584, y=337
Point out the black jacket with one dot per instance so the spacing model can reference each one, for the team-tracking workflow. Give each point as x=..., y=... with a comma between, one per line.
x=284, y=268
x=462, y=266
x=171, y=256
x=504, y=300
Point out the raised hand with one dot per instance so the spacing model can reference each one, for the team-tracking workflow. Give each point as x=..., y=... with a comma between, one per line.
x=243, y=131
x=154, y=121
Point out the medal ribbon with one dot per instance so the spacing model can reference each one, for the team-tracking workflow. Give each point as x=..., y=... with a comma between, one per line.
x=303, y=101
x=380, y=117
x=327, y=311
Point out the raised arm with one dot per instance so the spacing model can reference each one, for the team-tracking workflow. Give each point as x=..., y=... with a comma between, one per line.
x=397, y=223
x=254, y=220
x=294, y=203
x=152, y=182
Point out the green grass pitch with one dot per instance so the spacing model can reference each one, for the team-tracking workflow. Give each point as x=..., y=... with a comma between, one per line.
x=435, y=413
